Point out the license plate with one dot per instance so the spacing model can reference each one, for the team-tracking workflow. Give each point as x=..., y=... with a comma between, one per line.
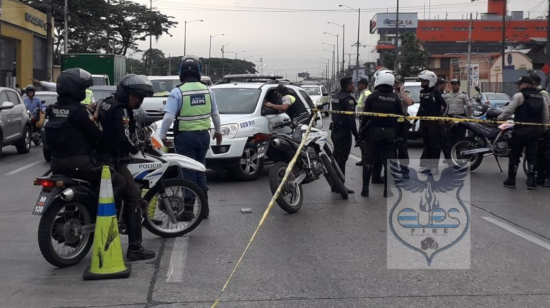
x=43, y=199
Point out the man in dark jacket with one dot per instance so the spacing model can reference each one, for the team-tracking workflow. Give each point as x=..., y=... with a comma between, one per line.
x=117, y=118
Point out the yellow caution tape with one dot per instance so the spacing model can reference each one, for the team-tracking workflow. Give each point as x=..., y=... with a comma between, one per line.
x=269, y=207
x=401, y=118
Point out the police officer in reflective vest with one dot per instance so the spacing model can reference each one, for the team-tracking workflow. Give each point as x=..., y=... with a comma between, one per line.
x=192, y=105
x=287, y=103
x=543, y=154
x=362, y=86
x=117, y=119
x=527, y=106
x=89, y=98
x=343, y=126
x=380, y=134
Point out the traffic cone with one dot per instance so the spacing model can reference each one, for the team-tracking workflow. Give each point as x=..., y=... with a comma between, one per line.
x=107, y=257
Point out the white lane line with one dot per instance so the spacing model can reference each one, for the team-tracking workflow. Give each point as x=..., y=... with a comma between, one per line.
x=23, y=168
x=355, y=157
x=517, y=231
x=177, y=260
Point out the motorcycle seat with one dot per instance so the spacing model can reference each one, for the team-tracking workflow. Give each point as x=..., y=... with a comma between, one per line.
x=488, y=131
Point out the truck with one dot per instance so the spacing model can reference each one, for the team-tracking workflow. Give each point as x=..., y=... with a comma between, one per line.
x=106, y=69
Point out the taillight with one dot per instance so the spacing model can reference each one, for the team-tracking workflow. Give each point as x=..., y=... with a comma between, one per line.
x=261, y=137
x=46, y=183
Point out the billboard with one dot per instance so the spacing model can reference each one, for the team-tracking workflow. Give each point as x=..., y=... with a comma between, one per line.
x=387, y=21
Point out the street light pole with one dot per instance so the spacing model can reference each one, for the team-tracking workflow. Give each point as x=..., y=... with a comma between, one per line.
x=396, y=59
x=358, y=36
x=223, y=58
x=210, y=52
x=343, y=26
x=337, y=56
x=237, y=53
x=185, y=35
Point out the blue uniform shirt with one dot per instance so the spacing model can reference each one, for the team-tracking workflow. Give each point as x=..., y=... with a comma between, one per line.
x=33, y=104
x=175, y=100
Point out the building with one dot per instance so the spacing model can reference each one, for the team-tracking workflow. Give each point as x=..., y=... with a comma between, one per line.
x=24, y=44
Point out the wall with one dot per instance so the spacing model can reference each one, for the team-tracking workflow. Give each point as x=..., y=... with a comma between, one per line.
x=514, y=61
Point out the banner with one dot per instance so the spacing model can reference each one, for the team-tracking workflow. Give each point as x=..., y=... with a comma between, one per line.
x=473, y=72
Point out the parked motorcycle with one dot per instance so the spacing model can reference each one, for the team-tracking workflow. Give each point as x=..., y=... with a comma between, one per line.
x=68, y=206
x=315, y=159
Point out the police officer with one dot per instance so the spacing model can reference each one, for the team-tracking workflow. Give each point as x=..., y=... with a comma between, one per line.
x=288, y=103
x=117, y=119
x=192, y=105
x=543, y=153
x=403, y=127
x=527, y=106
x=89, y=100
x=432, y=104
x=380, y=134
x=363, y=87
x=343, y=126
x=458, y=102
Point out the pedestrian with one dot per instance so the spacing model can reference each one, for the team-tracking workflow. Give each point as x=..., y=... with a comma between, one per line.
x=50, y=86
x=287, y=103
x=459, y=107
x=116, y=115
x=527, y=106
x=403, y=127
x=32, y=102
x=363, y=87
x=343, y=126
x=543, y=153
x=379, y=134
x=192, y=105
x=446, y=126
x=432, y=104
x=89, y=101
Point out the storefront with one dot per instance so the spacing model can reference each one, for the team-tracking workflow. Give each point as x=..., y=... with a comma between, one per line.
x=23, y=44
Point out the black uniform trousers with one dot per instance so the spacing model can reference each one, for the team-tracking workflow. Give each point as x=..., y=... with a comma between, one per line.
x=431, y=135
x=528, y=138
x=402, y=148
x=382, y=149
x=342, y=140
x=543, y=158
x=130, y=192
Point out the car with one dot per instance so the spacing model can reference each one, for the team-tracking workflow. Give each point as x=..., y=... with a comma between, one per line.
x=412, y=88
x=102, y=92
x=242, y=116
x=15, y=124
x=492, y=99
x=101, y=80
x=319, y=95
x=162, y=86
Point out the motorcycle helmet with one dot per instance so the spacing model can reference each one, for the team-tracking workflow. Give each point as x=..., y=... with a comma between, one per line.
x=378, y=72
x=30, y=88
x=429, y=76
x=138, y=85
x=73, y=83
x=493, y=113
x=190, y=66
x=384, y=78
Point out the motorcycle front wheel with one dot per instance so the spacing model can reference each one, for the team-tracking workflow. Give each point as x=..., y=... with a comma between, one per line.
x=188, y=203
x=292, y=196
x=56, y=234
x=464, y=144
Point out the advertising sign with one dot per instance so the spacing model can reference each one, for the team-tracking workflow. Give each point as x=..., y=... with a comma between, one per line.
x=473, y=72
x=387, y=21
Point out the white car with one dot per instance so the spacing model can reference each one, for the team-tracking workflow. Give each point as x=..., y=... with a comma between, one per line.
x=162, y=85
x=319, y=95
x=413, y=90
x=242, y=116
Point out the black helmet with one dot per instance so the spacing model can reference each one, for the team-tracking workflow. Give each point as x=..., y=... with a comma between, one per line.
x=282, y=89
x=73, y=83
x=493, y=113
x=139, y=85
x=30, y=88
x=190, y=66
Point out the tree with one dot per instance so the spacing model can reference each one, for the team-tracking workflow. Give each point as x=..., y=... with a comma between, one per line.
x=93, y=21
x=412, y=59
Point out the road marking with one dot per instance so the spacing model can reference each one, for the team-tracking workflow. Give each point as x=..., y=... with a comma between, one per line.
x=517, y=231
x=177, y=260
x=355, y=157
x=23, y=168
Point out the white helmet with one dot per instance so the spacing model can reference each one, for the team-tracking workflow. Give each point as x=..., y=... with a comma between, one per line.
x=375, y=76
x=385, y=78
x=429, y=76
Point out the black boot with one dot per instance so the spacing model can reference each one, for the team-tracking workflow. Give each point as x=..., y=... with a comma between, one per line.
x=540, y=175
x=366, y=178
x=511, y=180
x=531, y=180
x=135, y=250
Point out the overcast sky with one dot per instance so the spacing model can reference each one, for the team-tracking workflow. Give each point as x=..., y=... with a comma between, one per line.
x=288, y=34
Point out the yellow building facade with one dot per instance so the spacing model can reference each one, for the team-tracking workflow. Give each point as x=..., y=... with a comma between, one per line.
x=23, y=44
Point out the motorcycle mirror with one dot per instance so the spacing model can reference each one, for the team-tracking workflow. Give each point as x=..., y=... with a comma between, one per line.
x=477, y=89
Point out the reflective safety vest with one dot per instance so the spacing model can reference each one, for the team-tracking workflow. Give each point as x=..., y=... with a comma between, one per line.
x=88, y=100
x=196, y=108
x=363, y=97
x=165, y=93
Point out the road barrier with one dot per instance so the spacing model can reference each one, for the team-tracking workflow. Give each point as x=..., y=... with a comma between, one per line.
x=269, y=207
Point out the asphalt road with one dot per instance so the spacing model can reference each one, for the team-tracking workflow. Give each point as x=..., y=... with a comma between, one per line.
x=333, y=253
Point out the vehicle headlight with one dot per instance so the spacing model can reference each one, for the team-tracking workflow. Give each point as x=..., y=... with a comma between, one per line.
x=229, y=130
x=317, y=102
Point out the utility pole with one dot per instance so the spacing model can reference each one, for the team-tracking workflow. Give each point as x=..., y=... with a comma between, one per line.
x=49, y=40
x=548, y=47
x=396, y=59
x=503, y=39
x=149, y=60
x=66, y=26
x=169, y=65
x=343, y=48
x=469, y=53
x=358, y=42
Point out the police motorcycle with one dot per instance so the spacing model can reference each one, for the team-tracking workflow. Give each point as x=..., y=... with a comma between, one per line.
x=483, y=139
x=68, y=206
x=315, y=159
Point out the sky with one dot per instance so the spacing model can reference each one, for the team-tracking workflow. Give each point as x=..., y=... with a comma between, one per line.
x=288, y=34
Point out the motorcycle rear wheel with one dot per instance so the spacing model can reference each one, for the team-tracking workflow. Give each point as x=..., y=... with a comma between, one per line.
x=469, y=143
x=58, y=225
x=333, y=179
x=295, y=192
